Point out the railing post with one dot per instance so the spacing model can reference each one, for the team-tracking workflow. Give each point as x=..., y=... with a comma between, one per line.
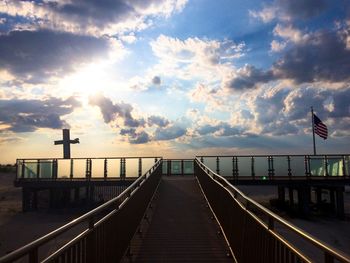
x=202, y=159
x=169, y=167
x=252, y=167
x=344, y=167
x=71, y=169
x=90, y=243
x=23, y=168
x=54, y=169
x=289, y=169
x=182, y=167
x=105, y=169
x=272, y=167
x=307, y=166
x=217, y=165
x=38, y=169
x=326, y=165
x=33, y=255
x=140, y=167
x=88, y=169
x=328, y=258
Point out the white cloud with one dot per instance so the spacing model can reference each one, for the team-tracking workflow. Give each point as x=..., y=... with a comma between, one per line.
x=290, y=34
x=266, y=15
x=195, y=58
x=277, y=46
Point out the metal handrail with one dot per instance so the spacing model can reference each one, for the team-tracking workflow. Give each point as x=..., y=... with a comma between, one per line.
x=273, y=155
x=92, y=158
x=226, y=184
x=114, y=203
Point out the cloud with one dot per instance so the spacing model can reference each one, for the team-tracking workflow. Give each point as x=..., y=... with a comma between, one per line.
x=135, y=137
x=288, y=10
x=321, y=56
x=30, y=115
x=248, y=77
x=114, y=111
x=194, y=57
x=169, y=133
x=219, y=129
x=156, y=80
x=35, y=56
x=157, y=120
x=93, y=16
x=324, y=57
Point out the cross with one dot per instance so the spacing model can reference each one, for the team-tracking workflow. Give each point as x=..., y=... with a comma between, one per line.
x=66, y=143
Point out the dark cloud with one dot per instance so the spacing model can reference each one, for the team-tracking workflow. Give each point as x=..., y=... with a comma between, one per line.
x=302, y=8
x=248, y=77
x=135, y=137
x=156, y=80
x=323, y=57
x=96, y=12
x=157, y=120
x=29, y=115
x=220, y=129
x=111, y=111
x=169, y=133
x=36, y=55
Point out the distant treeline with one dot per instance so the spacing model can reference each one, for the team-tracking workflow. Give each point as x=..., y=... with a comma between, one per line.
x=7, y=168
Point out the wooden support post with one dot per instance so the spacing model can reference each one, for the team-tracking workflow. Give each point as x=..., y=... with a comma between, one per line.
x=291, y=196
x=76, y=194
x=25, y=199
x=332, y=199
x=304, y=200
x=318, y=196
x=281, y=195
x=340, y=202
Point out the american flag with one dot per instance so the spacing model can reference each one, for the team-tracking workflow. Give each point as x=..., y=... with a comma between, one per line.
x=320, y=128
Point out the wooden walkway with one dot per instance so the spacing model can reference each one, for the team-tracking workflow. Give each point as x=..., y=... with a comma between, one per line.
x=182, y=228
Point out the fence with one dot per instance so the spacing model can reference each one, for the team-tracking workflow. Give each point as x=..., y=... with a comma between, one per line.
x=83, y=168
x=264, y=167
x=251, y=229
x=109, y=227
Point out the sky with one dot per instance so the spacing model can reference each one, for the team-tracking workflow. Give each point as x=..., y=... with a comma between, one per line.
x=173, y=78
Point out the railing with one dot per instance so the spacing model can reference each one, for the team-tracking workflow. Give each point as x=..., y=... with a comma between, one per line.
x=252, y=230
x=104, y=233
x=83, y=168
x=265, y=167
x=178, y=167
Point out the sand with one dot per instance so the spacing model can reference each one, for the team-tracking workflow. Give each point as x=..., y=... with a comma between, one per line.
x=328, y=229
x=17, y=228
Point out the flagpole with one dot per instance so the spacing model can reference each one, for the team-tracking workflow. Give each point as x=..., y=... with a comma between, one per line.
x=313, y=129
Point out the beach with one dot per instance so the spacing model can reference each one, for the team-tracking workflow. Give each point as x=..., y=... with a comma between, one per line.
x=18, y=228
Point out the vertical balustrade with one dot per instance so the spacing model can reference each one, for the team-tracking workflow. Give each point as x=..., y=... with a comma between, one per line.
x=38, y=169
x=140, y=167
x=326, y=165
x=105, y=169
x=54, y=169
x=289, y=169
x=252, y=167
x=71, y=168
x=122, y=168
x=217, y=165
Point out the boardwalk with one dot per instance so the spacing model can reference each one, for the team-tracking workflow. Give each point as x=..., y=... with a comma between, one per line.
x=181, y=229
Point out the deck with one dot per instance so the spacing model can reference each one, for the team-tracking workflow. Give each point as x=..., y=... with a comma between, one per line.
x=182, y=228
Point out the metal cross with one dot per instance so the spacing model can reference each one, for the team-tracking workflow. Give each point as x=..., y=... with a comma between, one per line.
x=66, y=143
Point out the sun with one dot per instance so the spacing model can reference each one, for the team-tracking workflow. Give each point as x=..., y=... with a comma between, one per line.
x=86, y=81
